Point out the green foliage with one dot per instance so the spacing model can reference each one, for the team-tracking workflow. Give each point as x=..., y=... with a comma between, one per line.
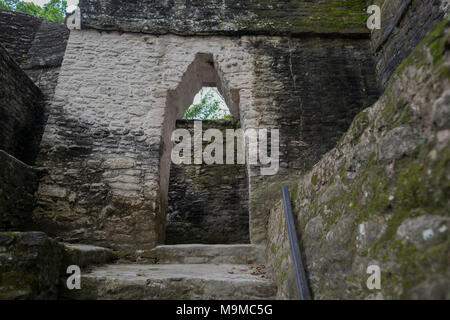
x=211, y=106
x=8, y=4
x=29, y=8
x=55, y=10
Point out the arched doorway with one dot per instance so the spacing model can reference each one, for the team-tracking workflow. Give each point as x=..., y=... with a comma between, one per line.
x=205, y=203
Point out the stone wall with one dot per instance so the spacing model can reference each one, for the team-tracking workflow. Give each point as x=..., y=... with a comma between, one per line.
x=18, y=183
x=304, y=67
x=22, y=120
x=404, y=24
x=30, y=266
x=316, y=86
x=17, y=32
x=200, y=17
x=119, y=95
x=207, y=203
x=21, y=111
x=381, y=196
x=103, y=138
x=37, y=45
x=311, y=89
x=46, y=56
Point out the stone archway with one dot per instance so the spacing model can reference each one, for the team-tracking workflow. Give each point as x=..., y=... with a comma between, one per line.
x=200, y=73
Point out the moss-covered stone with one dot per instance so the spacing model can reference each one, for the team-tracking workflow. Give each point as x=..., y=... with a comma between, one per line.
x=381, y=196
x=30, y=266
x=405, y=23
x=18, y=183
x=269, y=17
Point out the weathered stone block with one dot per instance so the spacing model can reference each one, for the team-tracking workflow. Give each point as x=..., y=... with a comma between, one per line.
x=30, y=265
x=18, y=183
x=229, y=18
x=37, y=45
x=173, y=282
x=21, y=111
x=86, y=255
x=202, y=254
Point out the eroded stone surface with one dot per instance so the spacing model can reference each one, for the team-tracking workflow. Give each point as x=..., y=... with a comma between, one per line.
x=21, y=111
x=196, y=254
x=18, y=183
x=30, y=265
x=385, y=204
x=37, y=45
x=174, y=281
x=226, y=17
x=85, y=255
x=424, y=230
x=406, y=22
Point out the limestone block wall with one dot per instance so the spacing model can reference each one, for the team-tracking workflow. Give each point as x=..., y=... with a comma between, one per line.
x=46, y=55
x=102, y=141
x=31, y=52
x=310, y=88
x=208, y=203
x=404, y=24
x=107, y=142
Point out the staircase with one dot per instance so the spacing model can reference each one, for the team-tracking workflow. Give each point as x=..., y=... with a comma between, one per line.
x=186, y=272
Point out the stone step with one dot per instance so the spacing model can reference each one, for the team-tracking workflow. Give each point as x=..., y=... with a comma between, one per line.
x=85, y=255
x=174, y=281
x=201, y=254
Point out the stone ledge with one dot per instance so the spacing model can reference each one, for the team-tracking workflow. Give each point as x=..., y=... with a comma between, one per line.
x=85, y=255
x=177, y=281
x=200, y=254
x=215, y=17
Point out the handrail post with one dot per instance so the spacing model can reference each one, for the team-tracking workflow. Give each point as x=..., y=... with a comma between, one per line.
x=302, y=282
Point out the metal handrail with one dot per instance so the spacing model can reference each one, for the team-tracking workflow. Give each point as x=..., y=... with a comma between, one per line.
x=302, y=282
